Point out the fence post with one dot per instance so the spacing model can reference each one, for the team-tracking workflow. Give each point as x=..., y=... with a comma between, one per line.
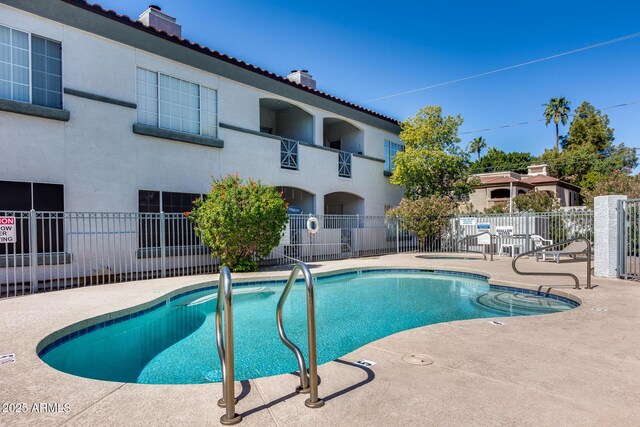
x=357, y=241
x=606, y=245
x=397, y=235
x=163, y=255
x=527, y=233
x=33, y=251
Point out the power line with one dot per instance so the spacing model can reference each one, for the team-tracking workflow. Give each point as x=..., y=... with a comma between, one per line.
x=626, y=104
x=511, y=67
x=510, y=167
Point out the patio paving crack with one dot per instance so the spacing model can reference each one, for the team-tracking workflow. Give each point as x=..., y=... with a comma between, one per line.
x=602, y=351
x=93, y=404
x=497, y=380
x=265, y=401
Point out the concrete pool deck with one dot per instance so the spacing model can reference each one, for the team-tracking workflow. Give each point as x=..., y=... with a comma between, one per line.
x=579, y=367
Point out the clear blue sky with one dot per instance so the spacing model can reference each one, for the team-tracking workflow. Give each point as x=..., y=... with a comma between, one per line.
x=360, y=50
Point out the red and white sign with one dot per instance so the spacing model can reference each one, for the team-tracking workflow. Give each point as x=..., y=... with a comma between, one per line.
x=7, y=229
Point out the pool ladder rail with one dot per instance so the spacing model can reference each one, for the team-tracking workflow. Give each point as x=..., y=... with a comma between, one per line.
x=308, y=379
x=467, y=250
x=225, y=347
x=554, y=245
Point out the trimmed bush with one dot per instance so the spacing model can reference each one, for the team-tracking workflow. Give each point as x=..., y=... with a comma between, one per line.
x=240, y=221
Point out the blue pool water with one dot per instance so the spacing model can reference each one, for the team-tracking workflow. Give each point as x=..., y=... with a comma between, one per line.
x=175, y=343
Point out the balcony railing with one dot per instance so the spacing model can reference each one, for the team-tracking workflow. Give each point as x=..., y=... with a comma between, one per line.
x=344, y=164
x=288, y=154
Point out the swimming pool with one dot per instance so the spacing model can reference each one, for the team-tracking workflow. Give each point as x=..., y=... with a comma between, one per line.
x=174, y=341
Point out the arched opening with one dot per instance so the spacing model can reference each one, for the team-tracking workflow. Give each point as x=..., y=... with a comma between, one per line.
x=300, y=201
x=342, y=135
x=521, y=192
x=281, y=118
x=340, y=203
x=500, y=193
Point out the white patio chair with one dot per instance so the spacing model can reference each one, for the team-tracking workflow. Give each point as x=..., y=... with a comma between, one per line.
x=539, y=242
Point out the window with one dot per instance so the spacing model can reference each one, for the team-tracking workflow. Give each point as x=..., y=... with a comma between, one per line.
x=501, y=193
x=178, y=232
x=178, y=105
x=390, y=150
x=44, y=65
x=24, y=196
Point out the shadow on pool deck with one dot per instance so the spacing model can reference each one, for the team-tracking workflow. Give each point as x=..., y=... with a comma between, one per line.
x=246, y=388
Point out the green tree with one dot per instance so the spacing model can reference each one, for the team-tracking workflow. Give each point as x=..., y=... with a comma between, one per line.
x=477, y=145
x=240, y=220
x=581, y=165
x=589, y=128
x=557, y=110
x=498, y=208
x=496, y=160
x=536, y=201
x=426, y=217
x=617, y=182
x=432, y=163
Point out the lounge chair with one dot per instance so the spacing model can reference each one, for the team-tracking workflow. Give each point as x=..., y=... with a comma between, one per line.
x=572, y=250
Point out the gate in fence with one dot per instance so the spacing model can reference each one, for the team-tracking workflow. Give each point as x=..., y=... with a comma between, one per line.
x=59, y=250
x=629, y=239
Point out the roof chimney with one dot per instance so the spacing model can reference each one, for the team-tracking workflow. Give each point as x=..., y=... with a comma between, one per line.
x=534, y=170
x=154, y=17
x=302, y=77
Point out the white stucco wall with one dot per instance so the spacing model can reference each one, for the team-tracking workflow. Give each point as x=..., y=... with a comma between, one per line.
x=103, y=164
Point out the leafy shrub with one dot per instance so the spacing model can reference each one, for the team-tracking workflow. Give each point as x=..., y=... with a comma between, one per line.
x=536, y=201
x=240, y=220
x=616, y=183
x=426, y=217
x=498, y=208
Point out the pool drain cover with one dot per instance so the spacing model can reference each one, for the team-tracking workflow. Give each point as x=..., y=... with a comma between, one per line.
x=418, y=359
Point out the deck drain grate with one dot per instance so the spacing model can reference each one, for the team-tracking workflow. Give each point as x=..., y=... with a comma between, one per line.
x=418, y=359
x=599, y=309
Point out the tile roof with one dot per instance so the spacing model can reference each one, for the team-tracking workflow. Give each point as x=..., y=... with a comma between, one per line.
x=526, y=180
x=540, y=179
x=488, y=180
x=124, y=19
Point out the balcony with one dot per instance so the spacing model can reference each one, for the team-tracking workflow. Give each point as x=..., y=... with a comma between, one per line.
x=289, y=122
x=346, y=139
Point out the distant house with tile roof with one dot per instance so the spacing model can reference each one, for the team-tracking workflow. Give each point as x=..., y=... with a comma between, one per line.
x=496, y=188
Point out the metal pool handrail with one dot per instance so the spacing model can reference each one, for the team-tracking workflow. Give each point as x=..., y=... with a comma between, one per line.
x=477, y=252
x=544, y=248
x=225, y=349
x=308, y=380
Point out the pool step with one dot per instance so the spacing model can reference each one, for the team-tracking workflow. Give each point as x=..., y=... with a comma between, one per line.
x=208, y=298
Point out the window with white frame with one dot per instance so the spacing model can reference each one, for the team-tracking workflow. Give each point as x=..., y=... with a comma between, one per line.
x=171, y=103
x=390, y=150
x=30, y=68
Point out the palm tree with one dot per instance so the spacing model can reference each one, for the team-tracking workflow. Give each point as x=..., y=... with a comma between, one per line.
x=557, y=110
x=477, y=145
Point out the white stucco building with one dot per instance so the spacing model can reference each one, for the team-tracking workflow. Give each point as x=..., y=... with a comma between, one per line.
x=102, y=113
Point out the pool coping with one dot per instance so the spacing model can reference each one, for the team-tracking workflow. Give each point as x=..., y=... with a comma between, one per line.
x=86, y=326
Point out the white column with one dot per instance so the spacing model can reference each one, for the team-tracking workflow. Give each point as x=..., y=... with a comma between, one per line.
x=605, y=223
